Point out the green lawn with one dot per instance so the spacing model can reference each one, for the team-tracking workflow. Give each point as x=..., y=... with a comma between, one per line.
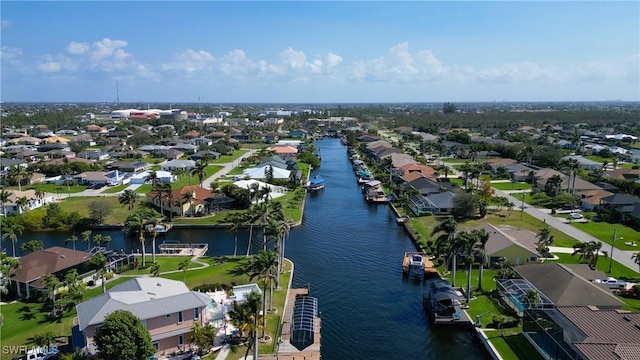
x=184, y=180
x=167, y=263
x=618, y=270
x=81, y=204
x=54, y=188
x=513, y=347
x=229, y=158
x=604, y=232
x=511, y=186
x=115, y=189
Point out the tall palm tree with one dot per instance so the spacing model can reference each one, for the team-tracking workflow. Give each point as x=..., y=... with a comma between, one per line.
x=135, y=226
x=73, y=239
x=184, y=266
x=86, y=237
x=4, y=198
x=445, y=242
x=153, y=179
x=285, y=228
x=23, y=204
x=188, y=198
x=129, y=198
x=100, y=263
x=11, y=231
x=636, y=258
x=51, y=283
x=250, y=218
x=264, y=267
x=588, y=252
x=245, y=317
x=200, y=170
x=482, y=237
x=544, y=240
x=18, y=174
x=236, y=221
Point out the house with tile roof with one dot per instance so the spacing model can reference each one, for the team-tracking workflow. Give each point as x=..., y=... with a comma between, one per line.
x=33, y=201
x=167, y=308
x=56, y=260
x=187, y=201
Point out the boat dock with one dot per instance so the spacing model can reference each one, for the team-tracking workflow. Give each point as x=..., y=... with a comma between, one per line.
x=418, y=263
x=443, y=304
x=181, y=249
x=300, y=331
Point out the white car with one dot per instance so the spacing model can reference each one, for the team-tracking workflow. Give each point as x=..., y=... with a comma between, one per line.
x=575, y=216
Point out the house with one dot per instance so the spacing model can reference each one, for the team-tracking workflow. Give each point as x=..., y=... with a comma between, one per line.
x=276, y=191
x=515, y=246
x=95, y=129
x=12, y=205
x=53, y=146
x=583, y=332
x=169, y=154
x=424, y=185
x=624, y=174
x=56, y=139
x=432, y=204
x=6, y=164
x=54, y=260
x=93, y=155
x=61, y=154
x=152, y=148
x=619, y=203
x=25, y=140
x=591, y=198
x=286, y=152
x=174, y=165
x=186, y=148
x=167, y=308
x=164, y=177
x=583, y=162
x=260, y=172
x=299, y=134
x=212, y=155
x=201, y=141
x=111, y=178
x=129, y=166
x=189, y=200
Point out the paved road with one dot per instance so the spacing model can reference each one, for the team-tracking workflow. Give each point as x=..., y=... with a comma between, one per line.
x=623, y=257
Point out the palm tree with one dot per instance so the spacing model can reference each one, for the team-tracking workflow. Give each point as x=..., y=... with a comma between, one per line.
x=531, y=297
x=245, y=317
x=446, y=241
x=129, y=198
x=188, y=198
x=250, y=218
x=52, y=283
x=482, y=237
x=588, y=252
x=554, y=183
x=135, y=226
x=200, y=170
x=184, y=266
x=31, y=246
x=285, y=228
x=23, y=204
x=466, y=242
x=18, y=174
x=544, y=240
x=100, y=263
x=86, y=237
x=264, y=267
x=11, y=231
x=4, y=198
x=636, y=258
x=236, y=221
x=154, y=270
x=73, y=239
x=153, y=179
x=39, y=193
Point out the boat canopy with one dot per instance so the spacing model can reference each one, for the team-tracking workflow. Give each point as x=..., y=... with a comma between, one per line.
x=373, y=183
x=316, y=181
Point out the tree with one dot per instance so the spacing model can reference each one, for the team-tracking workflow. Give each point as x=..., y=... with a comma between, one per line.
x=73, y=239
x=129, y=198
x=445, y=242
x=154, y=270
x=11, y=230
x=122, y=336
x=100, y=263
x=545, y=239
x=52, y=283
x=202, y=337
x=31, y=246
x=449, y=108
x=588, y=253
x=482, y=237
x=531, y=298
x=184, y=266
x=86, y=237
x=19, y=174
x=263, y=266
x=200, y=170
x=245, y=317
x=465, y=205
x=23, y=204
x=236, y=221
x=4, y=198
x=135, y=227
x=99, y=210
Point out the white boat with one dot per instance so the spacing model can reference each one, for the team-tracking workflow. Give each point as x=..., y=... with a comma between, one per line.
x=315, y=184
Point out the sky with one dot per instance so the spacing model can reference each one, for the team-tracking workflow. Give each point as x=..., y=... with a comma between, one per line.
x=319, y=52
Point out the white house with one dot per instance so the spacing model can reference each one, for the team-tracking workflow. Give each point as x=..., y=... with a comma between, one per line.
x=174, y=165
x=33, y=202
x=163, y=177
x=260, y=172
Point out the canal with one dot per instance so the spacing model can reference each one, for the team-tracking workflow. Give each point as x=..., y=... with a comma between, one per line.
x=350, y=254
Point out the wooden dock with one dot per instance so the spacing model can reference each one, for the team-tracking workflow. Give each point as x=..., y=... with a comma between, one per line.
x=285, y=349
x=181, y=249
x=419, y=263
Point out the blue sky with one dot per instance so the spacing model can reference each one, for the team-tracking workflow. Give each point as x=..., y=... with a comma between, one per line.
x=277, y=51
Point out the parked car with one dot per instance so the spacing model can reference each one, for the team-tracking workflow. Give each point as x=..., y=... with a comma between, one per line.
x=575, y=216
x=612, y=283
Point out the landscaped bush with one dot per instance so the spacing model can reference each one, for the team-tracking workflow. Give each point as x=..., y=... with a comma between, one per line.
x=211, y=287
x=109, y=275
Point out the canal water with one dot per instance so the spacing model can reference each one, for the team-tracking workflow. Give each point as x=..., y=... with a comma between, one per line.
x=350, y=254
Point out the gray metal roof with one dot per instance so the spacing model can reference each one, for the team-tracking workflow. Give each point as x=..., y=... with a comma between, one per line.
x=146, y=298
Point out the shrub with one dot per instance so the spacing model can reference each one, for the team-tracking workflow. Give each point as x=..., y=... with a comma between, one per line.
x=109, y=275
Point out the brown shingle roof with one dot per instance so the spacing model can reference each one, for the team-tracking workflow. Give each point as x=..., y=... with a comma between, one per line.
x=35, y=265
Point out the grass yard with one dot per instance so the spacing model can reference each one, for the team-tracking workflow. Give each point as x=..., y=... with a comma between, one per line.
x=81, y=204
x=229, y=158
x=618, y=270
x=513, y=347
x=604, y=232
x=527, y=222
x=506, y=186
x=54, y=188
x=184, y=180
x=115, y=189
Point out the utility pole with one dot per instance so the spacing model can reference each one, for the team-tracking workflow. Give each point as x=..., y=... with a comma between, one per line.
x=522, y=207
x=613, y=239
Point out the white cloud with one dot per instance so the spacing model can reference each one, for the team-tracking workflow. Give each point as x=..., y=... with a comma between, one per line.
x=9, y=54
x=5, y=24
x=56, y=64
x=50, y=67
x=190, y=61
x=77, y=48
x=333, y=60
x=109, y=55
